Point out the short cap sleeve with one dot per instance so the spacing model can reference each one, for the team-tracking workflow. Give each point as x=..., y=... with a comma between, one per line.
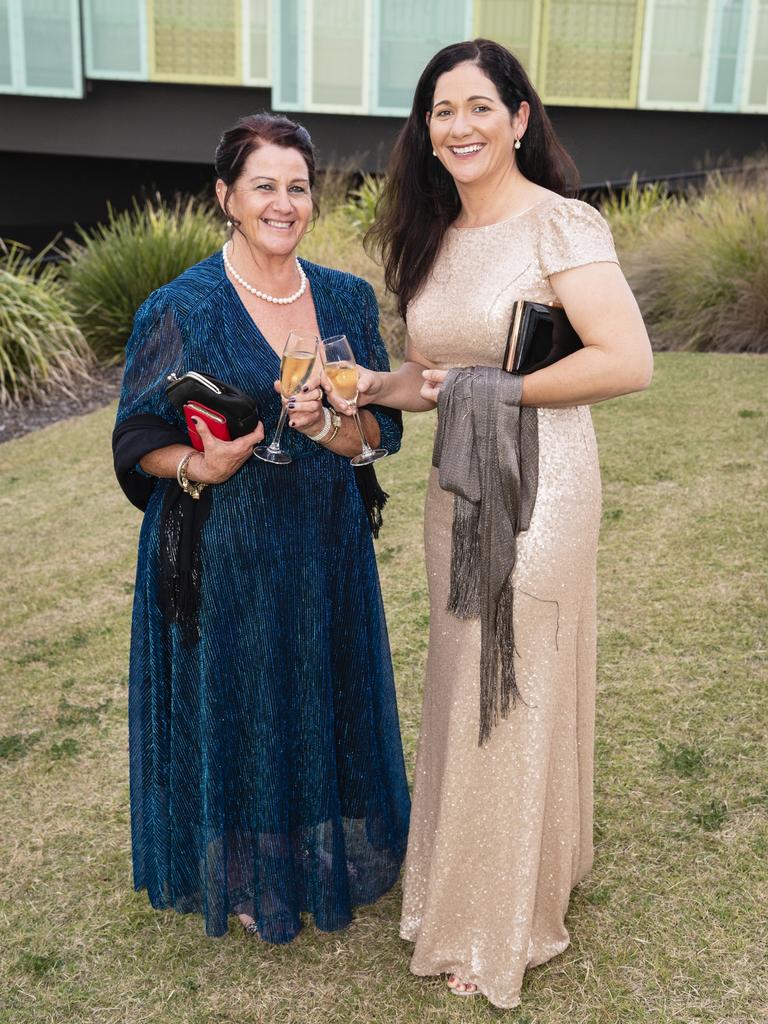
x=573, y=234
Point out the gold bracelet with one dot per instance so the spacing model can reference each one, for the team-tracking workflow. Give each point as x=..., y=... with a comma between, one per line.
x=190, y=487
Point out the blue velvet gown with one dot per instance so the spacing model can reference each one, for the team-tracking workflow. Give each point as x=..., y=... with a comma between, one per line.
x=266, y=765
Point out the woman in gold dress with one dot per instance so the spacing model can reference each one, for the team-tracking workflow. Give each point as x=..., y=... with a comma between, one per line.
x=474, y=217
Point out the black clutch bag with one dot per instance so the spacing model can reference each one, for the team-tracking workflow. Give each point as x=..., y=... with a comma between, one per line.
x=240, y=410
x=538, y=336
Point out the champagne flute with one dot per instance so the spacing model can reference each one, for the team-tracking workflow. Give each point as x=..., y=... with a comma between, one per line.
x=341, y=370
x=296, y=366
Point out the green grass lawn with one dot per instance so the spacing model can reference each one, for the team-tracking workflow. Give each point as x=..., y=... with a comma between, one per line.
x=671, y=926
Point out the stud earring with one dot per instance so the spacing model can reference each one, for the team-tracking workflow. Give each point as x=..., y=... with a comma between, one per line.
x=229, y=223
x=517, y=143
x=434, y=153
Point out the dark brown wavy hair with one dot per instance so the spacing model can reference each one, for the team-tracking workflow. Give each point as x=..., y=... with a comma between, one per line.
x=419, y=201
x=254, y=130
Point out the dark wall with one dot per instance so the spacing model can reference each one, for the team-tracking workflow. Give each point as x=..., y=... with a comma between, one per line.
x=62, y=160
x=179, y=123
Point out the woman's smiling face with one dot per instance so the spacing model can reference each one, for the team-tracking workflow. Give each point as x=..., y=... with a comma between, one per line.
x=471, y=130
x=271, y=199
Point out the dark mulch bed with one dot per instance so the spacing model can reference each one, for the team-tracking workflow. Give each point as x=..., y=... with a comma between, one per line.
x=101, y=389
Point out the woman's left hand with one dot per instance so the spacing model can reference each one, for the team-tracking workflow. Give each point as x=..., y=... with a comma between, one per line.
x=305, y=408
x=433, y=381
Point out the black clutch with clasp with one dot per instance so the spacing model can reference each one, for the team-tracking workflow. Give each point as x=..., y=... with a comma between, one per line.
x=539, y=335
x=239, y=409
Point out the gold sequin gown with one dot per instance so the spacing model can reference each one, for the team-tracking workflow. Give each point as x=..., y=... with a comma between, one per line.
x=500, y=834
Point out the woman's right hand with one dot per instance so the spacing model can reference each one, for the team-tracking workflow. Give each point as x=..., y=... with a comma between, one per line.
x=368, y=387
x=219, y=460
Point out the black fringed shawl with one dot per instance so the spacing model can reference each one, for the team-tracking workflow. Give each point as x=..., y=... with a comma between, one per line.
x=182, y=516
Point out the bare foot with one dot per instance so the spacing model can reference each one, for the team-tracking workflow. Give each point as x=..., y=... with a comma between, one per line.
x=461, y=988
x=249, y=925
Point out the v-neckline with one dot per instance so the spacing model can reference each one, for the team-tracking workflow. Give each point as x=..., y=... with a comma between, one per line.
x=243, y=310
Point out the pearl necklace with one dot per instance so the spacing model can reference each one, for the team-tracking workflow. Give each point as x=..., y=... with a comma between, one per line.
x=263, y=295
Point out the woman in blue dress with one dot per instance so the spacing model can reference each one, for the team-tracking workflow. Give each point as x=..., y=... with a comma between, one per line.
x=266, y=767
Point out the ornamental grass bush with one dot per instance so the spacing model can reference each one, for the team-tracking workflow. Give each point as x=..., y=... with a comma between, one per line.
x=111, y=269
x=698, y=264
x=41, y=346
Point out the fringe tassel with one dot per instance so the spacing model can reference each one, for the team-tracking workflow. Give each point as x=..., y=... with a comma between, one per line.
x=505, y=649
x=499, y=693
x=464, y=594
x=374, y=497
x=180, y=569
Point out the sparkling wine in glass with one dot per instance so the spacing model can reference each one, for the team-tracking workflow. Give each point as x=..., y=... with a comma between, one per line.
x=341, y=370
x=295, y=369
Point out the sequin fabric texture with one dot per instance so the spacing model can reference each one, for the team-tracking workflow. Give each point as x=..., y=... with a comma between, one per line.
x=501, y=833
x=266, y=767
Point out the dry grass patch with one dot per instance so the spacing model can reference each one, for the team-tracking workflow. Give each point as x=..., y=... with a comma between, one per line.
x=669, y=928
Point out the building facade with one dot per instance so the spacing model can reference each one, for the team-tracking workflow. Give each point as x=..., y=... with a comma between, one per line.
x=653, y=86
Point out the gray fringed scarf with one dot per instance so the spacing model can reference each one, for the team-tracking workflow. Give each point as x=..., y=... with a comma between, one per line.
x=487, y=452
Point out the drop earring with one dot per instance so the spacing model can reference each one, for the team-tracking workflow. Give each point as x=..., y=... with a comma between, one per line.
x=517, y=143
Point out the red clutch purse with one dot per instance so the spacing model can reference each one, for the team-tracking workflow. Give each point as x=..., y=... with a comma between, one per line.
x=216, y=423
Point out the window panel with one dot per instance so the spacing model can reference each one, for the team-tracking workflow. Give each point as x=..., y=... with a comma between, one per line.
x=338, y=48
x=409, y=34
x=258, y=40
x=727, y=58
x=757, y=88
x=287, y=89
x=514, y=24
x=590, y=51
x=676, y=52
x=195, y=41
x=6, y=70
x=115, y=38
x=50, y=32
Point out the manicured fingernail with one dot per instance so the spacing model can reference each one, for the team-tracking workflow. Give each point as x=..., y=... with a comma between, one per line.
x=195, y=420
x=305, y=388
x=290, y=423
x=292, y=404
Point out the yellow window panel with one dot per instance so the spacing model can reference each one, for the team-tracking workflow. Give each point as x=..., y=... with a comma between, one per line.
x=514, y=24
x=590, y=52
x=195, y=41
x=256, y=23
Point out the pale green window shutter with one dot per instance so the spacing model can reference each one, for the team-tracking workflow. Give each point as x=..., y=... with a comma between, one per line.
x=407, y=34
x=40, y=48
x=6, y=68
x=116, y=39
x=514, y=24
x=288, y=48
x=195, y=41
x=728, y=53
x=257, y=65
x=756, y=79
x=338, y=54
x=676, y=44
x=48, y=52
x=590, y=52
